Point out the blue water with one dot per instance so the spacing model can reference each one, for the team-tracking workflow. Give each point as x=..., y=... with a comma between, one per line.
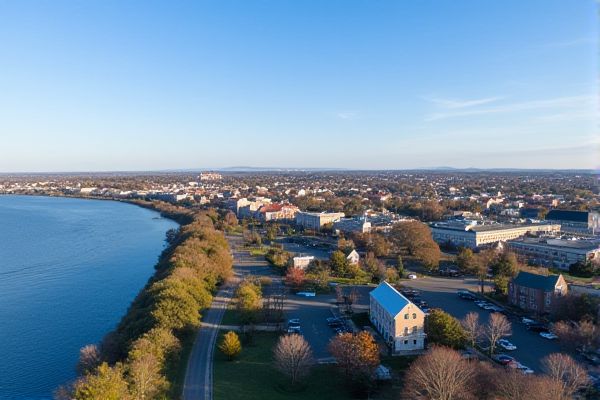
x=69, y=268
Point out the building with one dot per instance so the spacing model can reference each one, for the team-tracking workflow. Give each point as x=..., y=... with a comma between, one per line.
x=471, y=234
x=559, y=253
x=245, y=208
x=397, y=319
x=536, y=292
x=353, y=257
x=210, y=176
x=578, y=222
x=314, y=221
x=277, y=212
x=302, y=261
x=351, y=225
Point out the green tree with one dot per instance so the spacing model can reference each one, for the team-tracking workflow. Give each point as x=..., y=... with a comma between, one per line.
x=465, y=259
x=400, y=266
x=444, y=329
x=505, y=265
x=338, y=263
x=584, y=269
x=249, y=301
x=231, y=345
x=106, y=383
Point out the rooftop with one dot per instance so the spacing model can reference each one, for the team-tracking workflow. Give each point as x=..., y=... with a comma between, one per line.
x=527, y=279
x=389, y=298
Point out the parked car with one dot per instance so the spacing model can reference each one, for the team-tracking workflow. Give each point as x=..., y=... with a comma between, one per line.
x=466, y=295
x=412, y=276
x=537, y=327
x=294, y=329
x=306, y=294
x=548, y=335
x=503, y=359
x=528, y=321
x=523, y=368
x=294, y=321
x=506, y=345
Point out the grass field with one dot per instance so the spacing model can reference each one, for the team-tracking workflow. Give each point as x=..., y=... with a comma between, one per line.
x=252, y=377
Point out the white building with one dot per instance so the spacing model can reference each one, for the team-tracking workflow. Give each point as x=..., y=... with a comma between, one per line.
x=397, y=319
x=302, y=261
x=314, y=221
x=353, y=257
x=472, y=235
x=559, y=253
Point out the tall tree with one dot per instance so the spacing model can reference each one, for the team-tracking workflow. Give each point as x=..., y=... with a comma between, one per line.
x=357, y=356
x=496, y=328
x=106, y=383
x=293, y=357
x=565, y=371
x=440, y=374
x=338, y=263
x=472, y=328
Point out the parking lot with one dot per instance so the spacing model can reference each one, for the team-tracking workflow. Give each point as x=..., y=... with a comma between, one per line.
x=442, y=293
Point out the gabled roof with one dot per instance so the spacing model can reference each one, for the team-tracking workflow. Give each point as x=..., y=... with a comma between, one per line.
x=567, y=215
x=546, y=283
x=389, y=298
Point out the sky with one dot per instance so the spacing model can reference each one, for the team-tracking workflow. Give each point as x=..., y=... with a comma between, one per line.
x=102, y=85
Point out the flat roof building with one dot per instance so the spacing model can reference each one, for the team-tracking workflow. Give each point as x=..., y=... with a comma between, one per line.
x=572, y=221
x=472, y=235
x=314, y=221
x=559, y=253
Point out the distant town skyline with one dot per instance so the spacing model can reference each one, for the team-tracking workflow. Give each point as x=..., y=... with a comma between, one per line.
x=359, y=85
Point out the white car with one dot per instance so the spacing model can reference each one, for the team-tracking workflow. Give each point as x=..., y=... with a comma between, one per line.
x=412, y=276
x=548, y=335
x=506, y=345
x=306, y=294
x=524, y=369
x=527, y=321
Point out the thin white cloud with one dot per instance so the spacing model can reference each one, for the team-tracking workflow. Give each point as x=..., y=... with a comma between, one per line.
x=558, y=102
x=457, y=104
x=570, y=43
x=347, y=115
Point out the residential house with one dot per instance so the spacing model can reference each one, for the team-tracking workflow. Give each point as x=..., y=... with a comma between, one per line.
x=397, y=319
x=536, y=292
x=353, y=257
x=302, y=262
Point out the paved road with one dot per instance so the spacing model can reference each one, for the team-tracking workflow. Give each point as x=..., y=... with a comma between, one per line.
x=441, y=293
x=198, y=378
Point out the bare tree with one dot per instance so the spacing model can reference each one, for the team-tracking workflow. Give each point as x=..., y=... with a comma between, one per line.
x=470, y=324
x=440, y=374
x=293, y=357
x=513, y=385
x=496, y=328
x=89, y=359
x=566, y=371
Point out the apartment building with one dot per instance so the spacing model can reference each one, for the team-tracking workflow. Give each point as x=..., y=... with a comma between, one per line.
x=536, y=292
x=559, y=253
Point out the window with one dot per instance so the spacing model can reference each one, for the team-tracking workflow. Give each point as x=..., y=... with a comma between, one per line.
x=414, y=316
x=405, y=316
x=406, y=342
x=414, y=330
x=406, y=331
x=414, y=342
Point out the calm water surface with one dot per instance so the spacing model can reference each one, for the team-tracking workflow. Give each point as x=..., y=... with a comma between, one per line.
x=69, y=268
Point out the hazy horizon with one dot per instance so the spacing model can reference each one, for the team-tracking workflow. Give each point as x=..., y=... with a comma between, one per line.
x=356, y=85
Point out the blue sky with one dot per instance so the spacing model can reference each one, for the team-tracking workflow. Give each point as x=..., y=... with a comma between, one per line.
x=144, y=85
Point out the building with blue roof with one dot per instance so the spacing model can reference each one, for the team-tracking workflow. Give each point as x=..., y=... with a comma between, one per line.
x=397, y=319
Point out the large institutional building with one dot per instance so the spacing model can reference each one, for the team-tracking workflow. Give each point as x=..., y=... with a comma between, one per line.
x=559, y=253
x=315, y=221
x=397, y=319
x=470, y=234
x=577, y=222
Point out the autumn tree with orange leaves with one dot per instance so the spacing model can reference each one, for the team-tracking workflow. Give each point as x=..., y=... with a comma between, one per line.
x=357, y=356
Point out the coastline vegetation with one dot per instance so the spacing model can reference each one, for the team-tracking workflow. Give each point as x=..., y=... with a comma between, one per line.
x=144, y=357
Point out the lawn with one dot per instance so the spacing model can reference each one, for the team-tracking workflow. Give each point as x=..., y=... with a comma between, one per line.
x=231, y=316
x=252, y=377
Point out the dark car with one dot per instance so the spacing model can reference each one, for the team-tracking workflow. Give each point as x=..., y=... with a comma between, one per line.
x=537, y=327
x=465, y=295
x=503, y=359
